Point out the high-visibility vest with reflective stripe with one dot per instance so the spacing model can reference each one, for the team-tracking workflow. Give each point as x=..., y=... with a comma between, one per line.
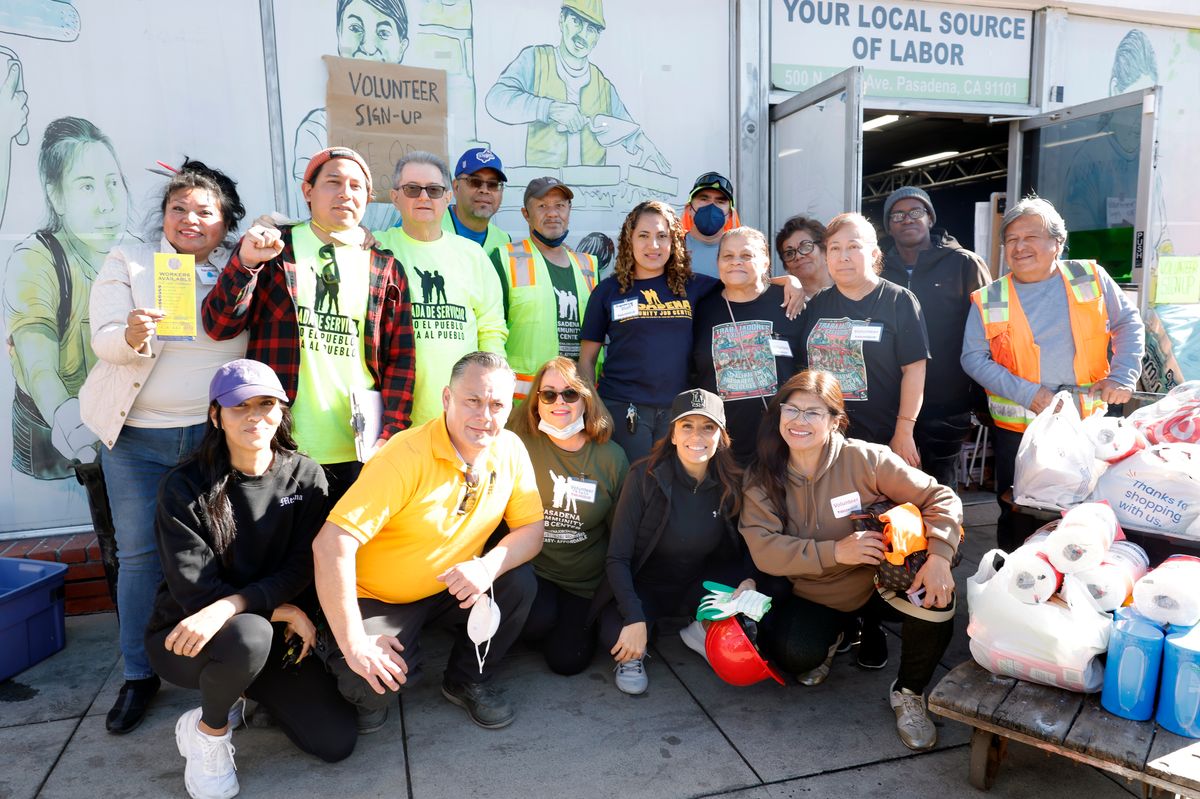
x=1013, y=346
x=533, y=308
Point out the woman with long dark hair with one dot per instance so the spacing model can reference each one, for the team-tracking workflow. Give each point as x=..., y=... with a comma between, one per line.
x=147, y=397
x=675, y=527
x=235, y=527
x=579, y=470
x=801, y=493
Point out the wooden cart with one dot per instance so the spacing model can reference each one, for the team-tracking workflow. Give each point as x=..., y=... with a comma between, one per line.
x=1065, y=723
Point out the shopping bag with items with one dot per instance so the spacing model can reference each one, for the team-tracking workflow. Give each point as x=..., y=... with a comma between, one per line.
x=1056, y=462
x=1056, y=643
x=1156, y=489
x=1174, y=418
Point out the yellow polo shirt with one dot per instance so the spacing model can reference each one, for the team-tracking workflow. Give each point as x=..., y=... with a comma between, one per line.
x=403, y=509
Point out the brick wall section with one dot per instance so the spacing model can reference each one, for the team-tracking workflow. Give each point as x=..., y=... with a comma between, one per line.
x=87, y=588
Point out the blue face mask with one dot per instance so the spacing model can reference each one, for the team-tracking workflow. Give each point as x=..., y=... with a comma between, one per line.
x=555, y=242
x=709, y=220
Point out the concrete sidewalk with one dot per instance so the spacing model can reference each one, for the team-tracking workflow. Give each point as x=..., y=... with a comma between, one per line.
x=690, y=735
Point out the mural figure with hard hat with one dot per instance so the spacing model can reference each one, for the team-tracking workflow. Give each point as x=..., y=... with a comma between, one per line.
x=573, y=111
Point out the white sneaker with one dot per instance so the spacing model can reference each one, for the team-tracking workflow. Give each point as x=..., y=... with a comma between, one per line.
x=210, y=772
x=693, y=638
x=631, y=677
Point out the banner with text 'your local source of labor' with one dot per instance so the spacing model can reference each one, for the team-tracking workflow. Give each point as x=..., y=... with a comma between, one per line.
x=385, y=111
x=907, y=49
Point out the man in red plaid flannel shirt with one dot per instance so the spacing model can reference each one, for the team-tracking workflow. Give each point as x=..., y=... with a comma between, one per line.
x=328, y=315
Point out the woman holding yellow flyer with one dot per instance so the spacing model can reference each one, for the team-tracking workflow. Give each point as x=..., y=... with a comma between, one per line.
x=147, y=397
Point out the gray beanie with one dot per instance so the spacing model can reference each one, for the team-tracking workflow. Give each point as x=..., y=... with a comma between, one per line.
x=903, y=193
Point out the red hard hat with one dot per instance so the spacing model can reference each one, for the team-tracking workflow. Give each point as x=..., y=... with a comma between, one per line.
x=734, y=657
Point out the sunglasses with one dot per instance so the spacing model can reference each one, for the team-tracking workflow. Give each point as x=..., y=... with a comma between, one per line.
x=330, y=274
x=471, y=494
x=549, y=396
x=803, y=248
x=912, y=213
x=413, y=190
x=481, y=183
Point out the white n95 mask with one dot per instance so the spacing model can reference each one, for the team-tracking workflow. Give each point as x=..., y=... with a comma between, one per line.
x=482, y=624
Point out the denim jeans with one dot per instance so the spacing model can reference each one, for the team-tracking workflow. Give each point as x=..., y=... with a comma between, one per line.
x=132, y=471
x=652, y=424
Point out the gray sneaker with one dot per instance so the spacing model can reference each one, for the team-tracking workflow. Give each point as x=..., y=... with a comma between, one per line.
x=817, y=676
x=913, y=725
x=693, y=638
x=631, y=677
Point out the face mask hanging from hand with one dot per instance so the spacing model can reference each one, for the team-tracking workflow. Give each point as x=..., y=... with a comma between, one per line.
x=709, y=219
x=482, y=624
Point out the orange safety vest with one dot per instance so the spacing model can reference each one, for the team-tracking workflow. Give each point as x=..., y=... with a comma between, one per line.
x=532, y=324
x=1013, y=347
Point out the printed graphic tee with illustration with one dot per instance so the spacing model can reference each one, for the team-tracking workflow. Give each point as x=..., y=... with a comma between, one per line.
x=649, y=333
x=567, y=310
x=743, y=352
x=331, y=307
x=863, y=343
x=457, y=308
x=579, y=491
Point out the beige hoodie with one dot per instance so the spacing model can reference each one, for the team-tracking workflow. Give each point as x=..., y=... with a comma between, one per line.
x=853, y=474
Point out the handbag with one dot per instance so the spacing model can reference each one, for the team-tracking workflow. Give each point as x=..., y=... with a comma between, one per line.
x=894, y=576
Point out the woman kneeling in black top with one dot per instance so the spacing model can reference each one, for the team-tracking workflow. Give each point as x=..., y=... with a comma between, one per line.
x=235, y=527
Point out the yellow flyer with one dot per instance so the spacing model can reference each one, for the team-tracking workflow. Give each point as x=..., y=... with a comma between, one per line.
x=175, y=295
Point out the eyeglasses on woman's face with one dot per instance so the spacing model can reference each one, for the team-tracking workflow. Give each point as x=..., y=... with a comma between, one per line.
x=803, y=248
x=790, y=413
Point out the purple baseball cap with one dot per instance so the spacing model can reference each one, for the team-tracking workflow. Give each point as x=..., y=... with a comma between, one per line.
x=243, y=379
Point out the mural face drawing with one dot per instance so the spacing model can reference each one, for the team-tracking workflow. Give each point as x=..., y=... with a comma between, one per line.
x=92, y=201
x=579, y=36
x=366, y=32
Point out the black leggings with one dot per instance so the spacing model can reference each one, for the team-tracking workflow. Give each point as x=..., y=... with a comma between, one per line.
x=799, y=637
x=558, y=625
x=244, y=657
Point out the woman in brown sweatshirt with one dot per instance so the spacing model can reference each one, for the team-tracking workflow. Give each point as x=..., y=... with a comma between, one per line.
x=799, y=495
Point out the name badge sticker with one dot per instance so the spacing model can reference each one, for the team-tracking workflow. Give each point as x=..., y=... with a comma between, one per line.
x=625, y=309
x=866, y=331
x=582, y=490
x=846, y=504
x=780, y=348
x=207, y=275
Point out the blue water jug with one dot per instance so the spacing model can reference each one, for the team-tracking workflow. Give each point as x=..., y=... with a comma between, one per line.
x=1131, y=674
x=1179, y=700
x=1129, y=612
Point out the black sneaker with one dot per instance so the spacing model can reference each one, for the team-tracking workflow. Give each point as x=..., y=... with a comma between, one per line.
x=872, y=647
x=370, y=721
x=133, y=701
x=483, y=703
x=850, y=633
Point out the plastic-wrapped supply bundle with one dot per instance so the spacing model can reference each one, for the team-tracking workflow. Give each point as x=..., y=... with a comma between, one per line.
x=1175, y=417
x=1028, y=574
x=1131, y=674
x=1170, y=594
x=1114, y=438
x=1157, y=488
x=1082, y=537
x=1111, y=582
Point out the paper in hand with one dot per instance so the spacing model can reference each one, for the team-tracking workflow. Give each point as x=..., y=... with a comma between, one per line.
x=175, y=294
x=366, y=419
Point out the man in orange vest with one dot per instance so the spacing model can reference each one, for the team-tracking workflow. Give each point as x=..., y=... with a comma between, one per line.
x=1045, y=325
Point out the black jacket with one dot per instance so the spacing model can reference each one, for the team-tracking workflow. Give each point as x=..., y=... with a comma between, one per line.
x=943, y=279
x=639, y=522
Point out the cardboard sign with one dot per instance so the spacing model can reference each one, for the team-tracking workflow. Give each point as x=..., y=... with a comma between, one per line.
x=1178, y=280
x=385, y=111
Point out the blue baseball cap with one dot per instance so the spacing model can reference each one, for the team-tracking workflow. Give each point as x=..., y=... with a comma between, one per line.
x=243, y=379
x=478, y=158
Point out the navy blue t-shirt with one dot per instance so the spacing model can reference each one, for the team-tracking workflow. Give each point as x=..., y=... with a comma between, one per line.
x=649, y=334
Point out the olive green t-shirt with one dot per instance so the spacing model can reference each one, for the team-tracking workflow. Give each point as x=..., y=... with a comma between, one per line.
x=579, y=491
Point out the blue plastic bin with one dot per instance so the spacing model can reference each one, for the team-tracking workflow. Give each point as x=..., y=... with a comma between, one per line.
x=32, y=611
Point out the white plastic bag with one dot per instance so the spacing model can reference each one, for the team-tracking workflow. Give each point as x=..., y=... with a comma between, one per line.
x=1174, y=418
x=1156, y=489
x=1056, y=462
x=1055, y=643
x=1114, y=438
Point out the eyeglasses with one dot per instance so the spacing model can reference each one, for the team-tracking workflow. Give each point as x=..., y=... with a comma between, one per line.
x=471, y=494
x=480, y=183
x=549, y=396
x=330, y=274
x=912, y=213
x=791, y=413
x=413, y=190
x=803, y=248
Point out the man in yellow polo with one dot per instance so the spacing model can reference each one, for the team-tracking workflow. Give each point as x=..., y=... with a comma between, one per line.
x=563, y=98
x=546, y=284
x=404, y=548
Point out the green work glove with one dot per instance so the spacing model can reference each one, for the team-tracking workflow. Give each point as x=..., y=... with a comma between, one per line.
x=719, y=603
